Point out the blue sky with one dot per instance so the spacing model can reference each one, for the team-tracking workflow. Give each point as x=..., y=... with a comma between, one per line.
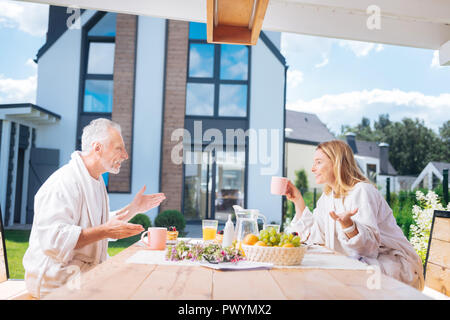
x=340, y=80
x=343, y=80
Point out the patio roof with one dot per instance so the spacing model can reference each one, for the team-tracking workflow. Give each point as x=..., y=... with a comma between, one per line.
x=28, y=113
x=414, y=23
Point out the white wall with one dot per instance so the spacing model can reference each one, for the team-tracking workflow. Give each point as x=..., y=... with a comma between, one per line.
x=58, y=89
x=275, y=37
x=266, y=112
x=147, y=111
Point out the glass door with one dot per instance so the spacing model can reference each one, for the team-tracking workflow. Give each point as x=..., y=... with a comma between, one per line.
x=229, y=183
x=213, y=183
x=197, y=185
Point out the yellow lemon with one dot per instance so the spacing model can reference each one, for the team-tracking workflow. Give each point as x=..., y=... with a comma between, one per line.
x=288, y=245
x=250, y=239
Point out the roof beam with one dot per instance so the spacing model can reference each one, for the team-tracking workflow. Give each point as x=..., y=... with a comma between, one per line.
x=413, y=23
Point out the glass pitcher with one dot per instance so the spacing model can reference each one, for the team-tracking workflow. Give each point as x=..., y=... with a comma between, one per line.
x=247, y=222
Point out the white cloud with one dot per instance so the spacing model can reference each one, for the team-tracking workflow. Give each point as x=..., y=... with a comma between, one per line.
x=30, y=63
x=28, y=17
x=18, y=90
x=294, y=78
x=323, y=63
x=359, y=48
x=350, y=107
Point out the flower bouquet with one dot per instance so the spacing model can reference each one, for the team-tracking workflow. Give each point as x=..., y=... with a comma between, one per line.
x=212, y=253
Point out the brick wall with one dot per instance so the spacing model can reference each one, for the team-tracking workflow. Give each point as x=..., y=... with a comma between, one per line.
x=123, y=99
x=174, y=109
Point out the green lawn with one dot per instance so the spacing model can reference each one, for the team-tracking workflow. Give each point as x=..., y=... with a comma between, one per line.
x=17, y=243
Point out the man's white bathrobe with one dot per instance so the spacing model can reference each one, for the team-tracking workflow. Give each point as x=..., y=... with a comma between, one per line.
x=380, y=240
x=69, y=201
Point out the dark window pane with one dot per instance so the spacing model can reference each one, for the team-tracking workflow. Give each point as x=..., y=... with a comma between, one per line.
x=101, y=58
x=233, y=62
x=200, y=99
x=197, y=30
x=105, y=27
x=98, y=96
x=201, y=60
x=233, y=100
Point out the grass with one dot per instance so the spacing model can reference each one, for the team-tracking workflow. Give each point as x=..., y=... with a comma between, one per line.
x=16, y=242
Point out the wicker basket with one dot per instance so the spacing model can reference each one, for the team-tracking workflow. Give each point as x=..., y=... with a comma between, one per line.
x=276, y=255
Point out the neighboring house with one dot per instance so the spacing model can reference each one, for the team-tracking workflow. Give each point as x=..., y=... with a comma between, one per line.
x=152, y=76
x=431, y=176
x=373, y=160
x=304, y=132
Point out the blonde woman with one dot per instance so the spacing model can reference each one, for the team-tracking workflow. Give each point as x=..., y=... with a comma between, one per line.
x=353, y=218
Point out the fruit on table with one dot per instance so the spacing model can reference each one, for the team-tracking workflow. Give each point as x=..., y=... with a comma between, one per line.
x=250, y=239
x=272, y=238
x=261, y=244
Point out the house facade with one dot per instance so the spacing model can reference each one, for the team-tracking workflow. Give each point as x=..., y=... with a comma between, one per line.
x=203, y=123
x=431, y=176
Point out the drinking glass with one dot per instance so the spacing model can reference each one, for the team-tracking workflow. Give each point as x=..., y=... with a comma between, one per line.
x=209, y=228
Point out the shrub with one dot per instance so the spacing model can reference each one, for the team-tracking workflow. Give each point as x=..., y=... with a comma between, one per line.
x=142, y=219
x=169, y=218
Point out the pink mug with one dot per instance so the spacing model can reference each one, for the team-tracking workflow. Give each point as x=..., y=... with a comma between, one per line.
x=279, y=185
x=156, y=239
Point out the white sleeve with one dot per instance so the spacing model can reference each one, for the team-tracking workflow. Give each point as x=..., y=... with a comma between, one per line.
x=57, y=215
x=367, y=241
x=310, y=226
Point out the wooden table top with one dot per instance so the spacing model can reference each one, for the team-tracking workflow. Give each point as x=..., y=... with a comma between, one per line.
x=116, y=279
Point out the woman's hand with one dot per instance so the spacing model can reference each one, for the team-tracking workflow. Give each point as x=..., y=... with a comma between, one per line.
x=294, y=195
x=345, y=219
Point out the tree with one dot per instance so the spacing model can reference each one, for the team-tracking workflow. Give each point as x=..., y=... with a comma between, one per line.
x=411, y=144
x=301, y=180
x=444, y=132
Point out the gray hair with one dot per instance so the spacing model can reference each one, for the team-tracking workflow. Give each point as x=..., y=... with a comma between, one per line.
x=97, y=131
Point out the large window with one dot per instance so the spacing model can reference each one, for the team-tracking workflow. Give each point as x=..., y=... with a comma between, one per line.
x=217, y=79
x=98, y=86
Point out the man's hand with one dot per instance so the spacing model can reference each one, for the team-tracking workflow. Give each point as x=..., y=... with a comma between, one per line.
x=140, y=204
x=117, y=228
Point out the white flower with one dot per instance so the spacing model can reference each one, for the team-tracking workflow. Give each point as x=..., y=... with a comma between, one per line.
x=423, y=216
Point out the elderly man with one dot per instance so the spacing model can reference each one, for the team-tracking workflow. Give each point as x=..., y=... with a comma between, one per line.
x=72, y=221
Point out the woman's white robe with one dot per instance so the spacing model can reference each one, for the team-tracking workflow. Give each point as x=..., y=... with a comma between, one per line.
x=380, y=240
x=69, y=201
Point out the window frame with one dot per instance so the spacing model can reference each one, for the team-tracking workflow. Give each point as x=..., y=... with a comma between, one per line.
x=83, y=76
x=216, y=81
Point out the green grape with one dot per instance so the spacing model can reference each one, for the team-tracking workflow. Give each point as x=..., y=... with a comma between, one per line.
x=273, y=239
x=272, y=231
x=290, y=237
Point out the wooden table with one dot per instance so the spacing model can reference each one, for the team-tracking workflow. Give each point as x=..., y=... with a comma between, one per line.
x=116, y=279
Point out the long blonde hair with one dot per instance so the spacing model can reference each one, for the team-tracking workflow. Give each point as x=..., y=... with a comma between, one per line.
x=345, y=169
